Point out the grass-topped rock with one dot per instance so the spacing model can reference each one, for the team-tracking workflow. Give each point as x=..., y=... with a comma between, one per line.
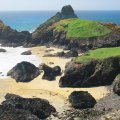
x=95, y=71
x=66, y=29
x=78, y=28
x=98, y=54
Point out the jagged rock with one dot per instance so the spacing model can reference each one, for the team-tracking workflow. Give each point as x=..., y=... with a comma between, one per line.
x=2, y=50
x=24, y=72
x=36, y=106
x=43, y=33
x=116, y=85
x=81, y=100
x=50, y=73
x=94, y=73
x=26, y=53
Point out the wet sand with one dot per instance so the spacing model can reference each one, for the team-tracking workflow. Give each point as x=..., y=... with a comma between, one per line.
x=49, y=90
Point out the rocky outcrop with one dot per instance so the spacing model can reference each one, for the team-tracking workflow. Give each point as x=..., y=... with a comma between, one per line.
x=32, y=108
x=11, y=37
x=24, y=72
x=26, y=53
x=42, y=34
x=47, y=34
x=82, y=100
x=2, y=50
x=116, y=85
x=50, y=73
x=94, y=73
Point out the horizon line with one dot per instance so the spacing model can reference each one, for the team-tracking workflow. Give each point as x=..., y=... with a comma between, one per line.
x=55, y=10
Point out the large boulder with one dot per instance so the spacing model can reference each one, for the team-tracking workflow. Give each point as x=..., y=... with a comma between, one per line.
x=38, y=107
x=116, y=85
x=91, y=74
x=26, y=53
x=82, y=100
x=24, y=72
x=50, y=73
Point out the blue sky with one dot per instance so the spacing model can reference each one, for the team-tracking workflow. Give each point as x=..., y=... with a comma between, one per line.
x=12, y=5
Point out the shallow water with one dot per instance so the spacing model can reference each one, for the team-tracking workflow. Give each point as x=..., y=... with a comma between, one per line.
x=13, y=56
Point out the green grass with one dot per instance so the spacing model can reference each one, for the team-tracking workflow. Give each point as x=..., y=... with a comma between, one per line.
x=98, y=54
x=78, y=28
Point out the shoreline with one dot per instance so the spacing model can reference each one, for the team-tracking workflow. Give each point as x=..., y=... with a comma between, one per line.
x=49, y=90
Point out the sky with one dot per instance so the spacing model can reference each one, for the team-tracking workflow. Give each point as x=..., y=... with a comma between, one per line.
x=18, y=5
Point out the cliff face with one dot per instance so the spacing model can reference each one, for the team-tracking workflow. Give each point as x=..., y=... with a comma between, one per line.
x=10, y=37
x=42, y=34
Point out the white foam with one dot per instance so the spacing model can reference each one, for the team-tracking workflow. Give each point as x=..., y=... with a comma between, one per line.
x=13, y=56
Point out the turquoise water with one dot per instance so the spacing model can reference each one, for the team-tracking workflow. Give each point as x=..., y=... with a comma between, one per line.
x=32, y=19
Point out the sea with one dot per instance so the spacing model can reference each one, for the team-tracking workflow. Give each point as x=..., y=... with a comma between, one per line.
x=30, y=20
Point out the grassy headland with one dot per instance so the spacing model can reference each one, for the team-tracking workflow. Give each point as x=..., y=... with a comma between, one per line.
x=79, y=28
x=98, y=54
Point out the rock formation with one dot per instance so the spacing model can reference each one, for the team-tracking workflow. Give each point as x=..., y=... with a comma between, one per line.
x=11, y=37
x=24, y=72
x=15, y=107
x=42, y=35
x=82, y=100
x=94, y=73
x=50, y=73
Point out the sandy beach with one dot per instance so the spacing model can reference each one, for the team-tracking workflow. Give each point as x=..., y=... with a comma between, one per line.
x=49, y=90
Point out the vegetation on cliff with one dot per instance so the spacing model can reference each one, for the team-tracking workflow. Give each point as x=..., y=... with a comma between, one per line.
x=79, y=28
x=98, y=54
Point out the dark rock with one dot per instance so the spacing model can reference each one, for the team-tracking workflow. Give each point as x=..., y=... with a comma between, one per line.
x=116, y=85
x=50, y=73
x=26, y=53
x=82, y=100
x=71, y=53
x=38, y=107
x=24, y=72
x=11, y=113
x=11, y=37
x=94, y=73
x=60, y=54
x=57, y=70
x=2, y=50
x=68, y=12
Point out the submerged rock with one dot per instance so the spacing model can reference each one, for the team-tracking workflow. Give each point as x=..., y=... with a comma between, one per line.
x=2, y=50
x=26, y=53
x=34, y=107
x=50, y=73
x=94, y=73
x=82, y=100
x=24, y=72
